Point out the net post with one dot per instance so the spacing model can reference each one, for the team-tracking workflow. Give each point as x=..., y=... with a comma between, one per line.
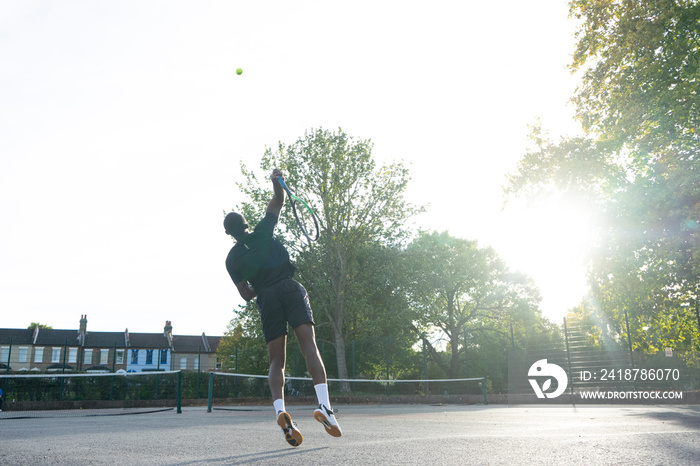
x=483, y=390
x=9, y=357
x=179, y=392
x=155, y=396
x=353, y=366
x=65, y=350
x=425, y=365
x=7, y=371
x=114, y=358
x=466, y=358
x=386, y=351
x=199, y=367
x=114, y=364
x=210, y=395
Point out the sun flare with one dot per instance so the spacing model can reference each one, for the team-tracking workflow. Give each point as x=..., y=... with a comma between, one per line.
x=551, y=245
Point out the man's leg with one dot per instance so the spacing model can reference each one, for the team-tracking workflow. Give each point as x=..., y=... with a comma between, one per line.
x=277, y=352
x=314, y=364
x=307, y=343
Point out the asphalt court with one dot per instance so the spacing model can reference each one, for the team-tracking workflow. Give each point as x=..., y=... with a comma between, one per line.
x=372, y=434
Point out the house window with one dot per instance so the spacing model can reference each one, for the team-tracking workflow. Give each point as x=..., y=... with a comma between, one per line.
x=22, y=354
x=39, y=354
x=183, y=363
x=164, y=356
x=55, y=354
x=88, y=357
x=134, y=356
x=218, y=364
x=4, y=354
x=149, y=356
x=120, y=356
x=73, y=355
x=104, y=356
x=196, y=363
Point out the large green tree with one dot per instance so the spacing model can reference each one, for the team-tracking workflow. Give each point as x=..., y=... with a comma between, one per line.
x=639, y=105
x=461, y=289
x=363, y=215
x=640, y=60
x=242, y=348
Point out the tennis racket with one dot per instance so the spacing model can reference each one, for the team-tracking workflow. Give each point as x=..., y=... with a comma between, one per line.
x=305, y=216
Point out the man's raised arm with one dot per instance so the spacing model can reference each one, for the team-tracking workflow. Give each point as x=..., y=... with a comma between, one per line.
x=277, y=202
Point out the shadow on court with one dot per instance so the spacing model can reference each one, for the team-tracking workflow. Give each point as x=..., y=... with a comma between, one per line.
x=277, y=456
x=372, y=434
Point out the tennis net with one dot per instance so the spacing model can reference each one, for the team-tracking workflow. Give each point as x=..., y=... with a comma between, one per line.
x=228, y=389
x=58, y=395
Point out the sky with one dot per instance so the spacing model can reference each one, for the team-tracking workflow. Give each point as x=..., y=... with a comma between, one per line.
x=123, y=126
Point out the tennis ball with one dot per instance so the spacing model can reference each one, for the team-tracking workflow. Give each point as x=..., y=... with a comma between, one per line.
x=239, y=71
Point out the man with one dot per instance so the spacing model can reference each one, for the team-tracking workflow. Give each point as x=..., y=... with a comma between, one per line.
x=259, y=267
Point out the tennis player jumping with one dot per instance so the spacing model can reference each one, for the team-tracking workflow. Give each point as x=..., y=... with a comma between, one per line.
x=259, y=267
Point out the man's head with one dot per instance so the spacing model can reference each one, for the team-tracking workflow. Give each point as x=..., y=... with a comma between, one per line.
x=235, y=225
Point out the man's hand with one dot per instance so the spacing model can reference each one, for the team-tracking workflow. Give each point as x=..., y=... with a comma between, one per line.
x=277, y=202
x=245, y=290
x=276, y=174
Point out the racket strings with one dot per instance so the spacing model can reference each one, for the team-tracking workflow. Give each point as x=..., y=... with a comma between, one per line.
x=304, y=215
x=308, y=224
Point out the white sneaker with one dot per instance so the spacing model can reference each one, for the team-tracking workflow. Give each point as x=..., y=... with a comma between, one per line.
x=291, y=433
x=325, y=416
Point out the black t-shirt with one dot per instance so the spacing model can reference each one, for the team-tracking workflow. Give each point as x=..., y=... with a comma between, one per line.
x=260, y=258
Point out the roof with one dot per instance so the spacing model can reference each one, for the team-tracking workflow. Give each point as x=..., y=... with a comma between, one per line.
x=105, y=339
x=58, y=337
x=190, y=344
x=98, y=368
x=18, y=336
x=48, y=336
x=214, y=343
x=59, y=366
x=148, y=340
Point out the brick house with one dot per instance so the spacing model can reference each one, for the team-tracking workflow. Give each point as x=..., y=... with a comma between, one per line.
x=50, y=350
x=193, y=353
x=21, y=341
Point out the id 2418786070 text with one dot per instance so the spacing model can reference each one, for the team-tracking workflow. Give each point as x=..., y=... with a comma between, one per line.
x=646, y=375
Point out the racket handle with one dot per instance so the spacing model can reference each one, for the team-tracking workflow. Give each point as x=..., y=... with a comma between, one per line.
x=282, y=183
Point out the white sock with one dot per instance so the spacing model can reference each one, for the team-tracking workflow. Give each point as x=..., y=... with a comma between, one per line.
x=322, y=394
x=279, y=406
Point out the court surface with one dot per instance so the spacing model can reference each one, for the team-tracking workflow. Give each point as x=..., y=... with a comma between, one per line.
x=372, y=434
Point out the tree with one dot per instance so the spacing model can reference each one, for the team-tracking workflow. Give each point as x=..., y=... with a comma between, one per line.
x=638, y=102
x=242, y=347
x=641, y=67
x=360, y=206
x=377, y=310
x=34, y=325
x=460, y=288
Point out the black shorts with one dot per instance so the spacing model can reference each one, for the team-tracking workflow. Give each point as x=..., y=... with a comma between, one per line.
x=284, y=302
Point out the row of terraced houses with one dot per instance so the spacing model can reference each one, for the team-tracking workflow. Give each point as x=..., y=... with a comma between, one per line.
x=41, y=350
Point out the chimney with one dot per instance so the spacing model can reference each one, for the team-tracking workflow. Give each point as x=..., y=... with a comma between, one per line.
x=83, y=329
